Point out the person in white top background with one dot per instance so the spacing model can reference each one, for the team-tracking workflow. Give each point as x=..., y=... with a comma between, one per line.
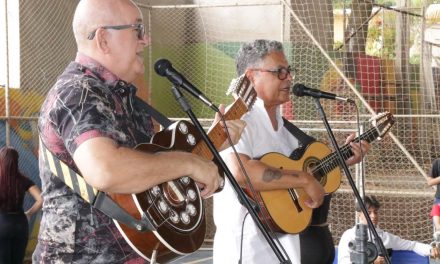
x=389, y=240
x=237, y=237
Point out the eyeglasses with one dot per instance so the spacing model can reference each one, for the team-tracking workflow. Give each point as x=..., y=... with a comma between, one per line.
x=281, y=72
x=140, y=28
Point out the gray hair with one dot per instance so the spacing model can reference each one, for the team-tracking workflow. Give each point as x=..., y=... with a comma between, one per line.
x=253, y=53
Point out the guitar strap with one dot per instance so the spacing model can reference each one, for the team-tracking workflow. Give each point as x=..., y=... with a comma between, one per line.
x=303, y=139
x=158, y=116
x=100, y=200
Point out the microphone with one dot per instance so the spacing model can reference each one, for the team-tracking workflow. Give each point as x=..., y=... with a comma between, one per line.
x=301, y=90
x=163, y=67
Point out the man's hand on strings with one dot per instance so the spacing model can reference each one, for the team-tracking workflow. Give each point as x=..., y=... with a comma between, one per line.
x=234, y=127
x=359, y=150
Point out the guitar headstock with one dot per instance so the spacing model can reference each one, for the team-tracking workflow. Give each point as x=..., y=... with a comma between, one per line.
x=382, y=123
x=242, y=88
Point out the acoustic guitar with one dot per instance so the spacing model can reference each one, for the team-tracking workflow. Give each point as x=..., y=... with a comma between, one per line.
x=175, y=208
x=285, y=210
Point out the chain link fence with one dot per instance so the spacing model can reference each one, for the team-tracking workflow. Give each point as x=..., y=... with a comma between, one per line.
x=382, y=56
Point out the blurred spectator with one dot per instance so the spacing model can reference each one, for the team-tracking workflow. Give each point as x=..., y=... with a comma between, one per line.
x=434, y=179
x=14, y=228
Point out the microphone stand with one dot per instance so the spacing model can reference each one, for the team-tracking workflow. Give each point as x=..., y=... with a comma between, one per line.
x=350, y=179
x=187, y=108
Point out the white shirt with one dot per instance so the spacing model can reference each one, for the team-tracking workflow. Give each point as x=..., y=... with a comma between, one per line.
x=389, y=240
x=432, y=36
x=258, y=138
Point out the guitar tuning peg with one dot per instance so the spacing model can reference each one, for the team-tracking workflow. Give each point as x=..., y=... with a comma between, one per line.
x=232, y=87
x=235, y=85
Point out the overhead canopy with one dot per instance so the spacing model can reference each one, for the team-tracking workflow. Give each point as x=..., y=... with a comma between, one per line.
x=432, y=14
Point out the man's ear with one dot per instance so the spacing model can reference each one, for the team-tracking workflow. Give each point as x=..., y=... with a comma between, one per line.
x=101, y=38
x=250, y=75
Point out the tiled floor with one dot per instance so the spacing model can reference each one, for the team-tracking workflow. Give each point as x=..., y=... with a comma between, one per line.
x=201, y=256
x=204, y=256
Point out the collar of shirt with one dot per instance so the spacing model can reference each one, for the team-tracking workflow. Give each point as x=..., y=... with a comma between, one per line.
x=94, y=68
x=259, y=103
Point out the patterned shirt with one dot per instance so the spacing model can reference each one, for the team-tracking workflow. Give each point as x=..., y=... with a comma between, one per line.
x=87, y=101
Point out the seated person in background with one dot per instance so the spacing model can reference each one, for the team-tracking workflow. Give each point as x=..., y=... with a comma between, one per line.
x=390, y=241
x=432, y=180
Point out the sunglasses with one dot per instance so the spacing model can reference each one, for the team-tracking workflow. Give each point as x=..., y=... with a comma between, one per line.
x=140, y=28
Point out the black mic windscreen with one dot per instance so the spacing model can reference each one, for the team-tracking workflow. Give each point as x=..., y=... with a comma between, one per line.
x=298, y=89
x=161, y=66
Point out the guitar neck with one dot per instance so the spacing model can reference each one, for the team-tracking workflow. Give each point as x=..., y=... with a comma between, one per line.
x=331, y=161
x=217, y=134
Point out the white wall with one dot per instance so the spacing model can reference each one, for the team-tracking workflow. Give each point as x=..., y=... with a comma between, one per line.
x=13, y=43
x=262, y=20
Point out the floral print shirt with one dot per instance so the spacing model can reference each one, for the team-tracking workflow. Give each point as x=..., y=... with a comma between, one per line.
x=87, y=101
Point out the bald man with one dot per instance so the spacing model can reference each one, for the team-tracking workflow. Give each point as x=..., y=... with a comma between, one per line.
x=91, y=122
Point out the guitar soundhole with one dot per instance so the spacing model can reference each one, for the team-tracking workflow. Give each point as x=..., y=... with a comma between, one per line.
x=173, y=193
x=176, y=204
x=311, y=165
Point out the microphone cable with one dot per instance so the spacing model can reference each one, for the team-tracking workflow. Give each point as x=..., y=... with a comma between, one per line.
x=353, y=103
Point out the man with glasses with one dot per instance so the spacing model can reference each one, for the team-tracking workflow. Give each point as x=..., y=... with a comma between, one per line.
x=237, y=237
x=91, y=121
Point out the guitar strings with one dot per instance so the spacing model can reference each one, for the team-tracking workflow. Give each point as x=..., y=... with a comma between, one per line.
x=346, y=149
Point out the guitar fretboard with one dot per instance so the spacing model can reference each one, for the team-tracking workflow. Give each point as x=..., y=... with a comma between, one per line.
x=330, y=162
x=217, y=134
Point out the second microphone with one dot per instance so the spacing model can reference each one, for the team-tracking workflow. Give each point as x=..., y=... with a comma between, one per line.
x=163, y=67
x=301, y=90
